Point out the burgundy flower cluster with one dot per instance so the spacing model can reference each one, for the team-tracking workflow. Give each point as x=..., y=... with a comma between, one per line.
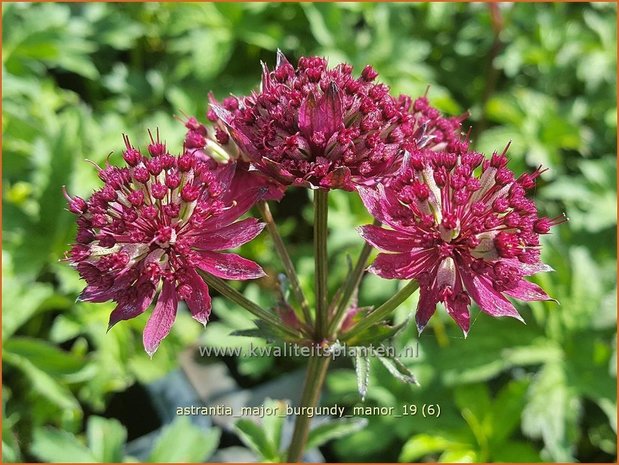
x=455, y=221
x=462, y=226
x=156, y=223
x=322, y=128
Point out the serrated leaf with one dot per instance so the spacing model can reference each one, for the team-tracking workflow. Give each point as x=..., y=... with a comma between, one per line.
x=254, y=437
x=106, y=439
x=182, y=441
x=274, y=424
x=398, y=370
x=551, y=412
x=44, y=384
x=362, y=369
x=54, y=445
x=334, y=429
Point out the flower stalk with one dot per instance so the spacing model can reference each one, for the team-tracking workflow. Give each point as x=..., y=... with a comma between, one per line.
x=351, y=283
x=315, y=377
x=383, y=311
x=235, y=296
x=321, y=200
x=284, y=256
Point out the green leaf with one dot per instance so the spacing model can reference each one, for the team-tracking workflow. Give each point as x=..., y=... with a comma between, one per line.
x=273, y=424
x=263, y=330
x=45, y=356
x=458, y=456
x=423, y=444
x=333, y=429
x=376, y=334
x=398, y=370
x=10, y=446
x=475, y=398
x=516, y=452
x=53, y=161
x=106, y=439
x=54, y=445
x=315, y=16
x=29, y=297
x=507, y=410
x=44, y=384
x=254, y=437
x=181, y=441
x=551, y=412
x=503, y=109
x=495, y=139
x=10, y=450
x=362, y=370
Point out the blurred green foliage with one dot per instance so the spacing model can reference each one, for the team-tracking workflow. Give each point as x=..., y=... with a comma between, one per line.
x=76, y=76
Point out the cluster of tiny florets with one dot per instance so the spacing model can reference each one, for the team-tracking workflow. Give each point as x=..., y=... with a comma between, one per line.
x=463, y=227
x=319, y=127
x=158, y=220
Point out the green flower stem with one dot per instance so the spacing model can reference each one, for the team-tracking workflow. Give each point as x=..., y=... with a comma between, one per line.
x=235, y=296
x=316, y=374
x=351, y=283
x=265, y=211
x=321, y=199
x=383, y=311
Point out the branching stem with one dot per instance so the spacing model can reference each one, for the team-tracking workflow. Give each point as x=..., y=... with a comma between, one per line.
x=282, y=251
x=235, y=296
x=351, y=283
x=383, y=311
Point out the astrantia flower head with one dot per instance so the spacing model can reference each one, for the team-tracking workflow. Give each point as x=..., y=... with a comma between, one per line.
x=153, y=224
x=432, y=130
x=463, y=227
x=318, y=127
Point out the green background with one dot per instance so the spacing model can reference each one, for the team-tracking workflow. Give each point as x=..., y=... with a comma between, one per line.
x=77, y=76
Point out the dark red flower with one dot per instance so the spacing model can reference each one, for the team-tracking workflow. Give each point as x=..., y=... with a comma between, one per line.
x=461, y=235
x=430, y=129
x=153, y=224
x=318, y=127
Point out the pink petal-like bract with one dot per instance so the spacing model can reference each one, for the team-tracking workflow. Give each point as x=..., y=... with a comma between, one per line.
x=161, y=319
x=320, y=127
x=157, y=220
x=463, y=227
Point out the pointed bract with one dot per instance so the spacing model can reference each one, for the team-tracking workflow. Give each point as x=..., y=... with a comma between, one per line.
x=228, y=266
x=199, y=301
x=161, y=319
